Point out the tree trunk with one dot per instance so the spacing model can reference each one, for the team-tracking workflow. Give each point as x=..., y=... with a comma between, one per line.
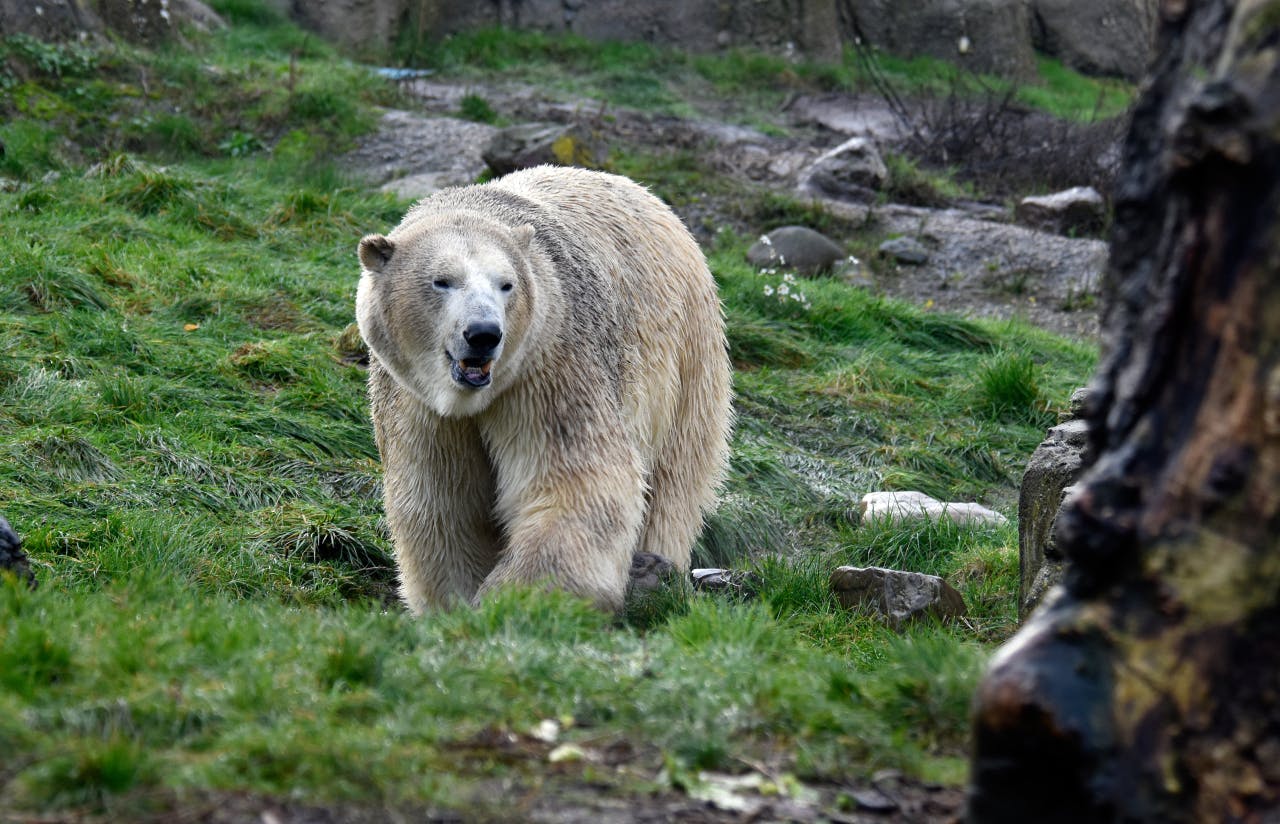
x=1148, y=687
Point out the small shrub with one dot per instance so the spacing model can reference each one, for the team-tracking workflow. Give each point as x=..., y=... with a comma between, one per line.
x=909, y=183
x=240, y=144
x=151, y=191
x=474, y=107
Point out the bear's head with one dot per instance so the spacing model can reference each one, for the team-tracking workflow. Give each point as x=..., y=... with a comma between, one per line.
x=444, y=303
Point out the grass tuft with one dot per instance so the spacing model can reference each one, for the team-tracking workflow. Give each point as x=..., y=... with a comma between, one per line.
x=317, y=535
x=1008, y=386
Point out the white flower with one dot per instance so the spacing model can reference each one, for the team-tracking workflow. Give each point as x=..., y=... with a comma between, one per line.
x=783, y=289
x=768, y=291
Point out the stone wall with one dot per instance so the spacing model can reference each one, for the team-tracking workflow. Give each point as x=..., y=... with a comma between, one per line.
x=996, y=36
x=805, y=26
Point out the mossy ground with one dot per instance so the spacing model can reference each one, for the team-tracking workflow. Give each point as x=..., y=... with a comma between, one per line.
x=187, y=452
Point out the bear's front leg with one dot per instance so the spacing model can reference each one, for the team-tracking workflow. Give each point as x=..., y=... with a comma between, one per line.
x=439, y=498
x=572, y=516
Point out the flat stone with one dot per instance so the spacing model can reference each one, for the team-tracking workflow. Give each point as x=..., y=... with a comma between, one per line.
x=905, y=250
x=907, y=506
x=1080, y=210
x=898, y=597
x=534, y=144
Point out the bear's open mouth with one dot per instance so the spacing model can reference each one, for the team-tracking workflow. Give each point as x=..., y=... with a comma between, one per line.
x=473, y=372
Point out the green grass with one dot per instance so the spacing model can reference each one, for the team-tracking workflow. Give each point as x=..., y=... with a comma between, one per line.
x=185, y=447
x=660, y=78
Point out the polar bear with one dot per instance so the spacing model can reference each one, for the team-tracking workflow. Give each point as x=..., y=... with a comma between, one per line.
x=549, y=383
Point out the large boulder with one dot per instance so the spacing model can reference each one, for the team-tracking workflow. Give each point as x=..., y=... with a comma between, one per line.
x=365, y=27
x=1076, y=211
x=534, y=144
x=795, y=247
x=990, y=36
x=142, y=21
x=1111, y=37
x=852, y=171
x=49, y=20
x=1048, y=480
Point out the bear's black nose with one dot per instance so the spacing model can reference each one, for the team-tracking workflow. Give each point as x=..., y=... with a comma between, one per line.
x=482, y=337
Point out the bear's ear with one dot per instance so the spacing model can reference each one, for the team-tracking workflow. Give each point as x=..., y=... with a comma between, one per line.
x=376, y=252
x=523, y=235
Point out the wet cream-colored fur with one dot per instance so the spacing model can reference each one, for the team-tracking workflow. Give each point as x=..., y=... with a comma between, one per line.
x=603, y=427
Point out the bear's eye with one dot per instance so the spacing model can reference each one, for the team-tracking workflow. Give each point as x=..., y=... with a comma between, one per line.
x=507, y=287
x=441, y=283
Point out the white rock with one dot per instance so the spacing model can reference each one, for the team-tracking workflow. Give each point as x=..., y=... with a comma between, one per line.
x=906, y=506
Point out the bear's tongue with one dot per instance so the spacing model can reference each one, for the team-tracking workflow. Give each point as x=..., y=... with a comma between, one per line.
x=473, y=372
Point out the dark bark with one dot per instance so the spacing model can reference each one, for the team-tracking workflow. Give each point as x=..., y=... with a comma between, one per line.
x=1147, y=689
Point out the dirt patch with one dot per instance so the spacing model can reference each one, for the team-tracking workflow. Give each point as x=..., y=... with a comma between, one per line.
x=885, y=800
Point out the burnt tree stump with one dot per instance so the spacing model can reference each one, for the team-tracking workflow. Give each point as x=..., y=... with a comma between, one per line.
x=1149, y=689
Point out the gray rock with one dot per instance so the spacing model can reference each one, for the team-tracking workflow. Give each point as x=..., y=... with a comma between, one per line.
x=917, y=506
x=12, y=558
x=905, y=250
x=1112, y=37
x=1077, y=211
x=854, y=170
x=533, y=144
x=1047, y=481
x=1078, y=403
x=898, y=597
x=795, y=247
x=137, y=21
x=976, y=258
x=811, y=28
